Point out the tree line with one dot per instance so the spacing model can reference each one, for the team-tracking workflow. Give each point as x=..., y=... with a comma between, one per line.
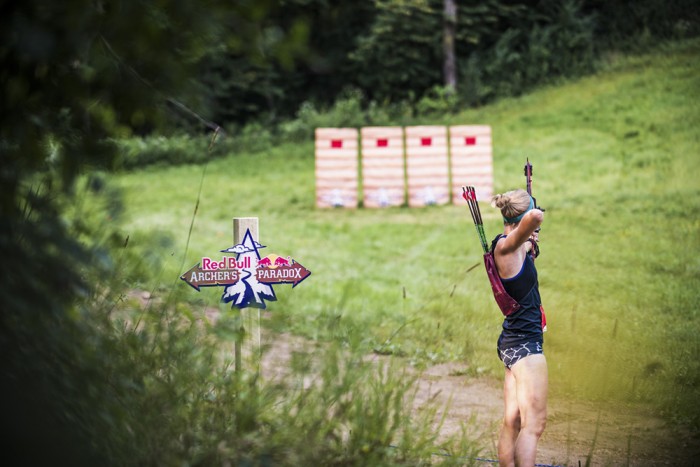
x=402, y=50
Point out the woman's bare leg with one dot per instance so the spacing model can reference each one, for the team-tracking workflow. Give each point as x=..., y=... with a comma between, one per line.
x=511, y=422
x=531, y=388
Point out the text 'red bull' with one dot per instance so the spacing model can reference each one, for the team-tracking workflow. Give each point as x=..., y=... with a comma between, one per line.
x=227, y=262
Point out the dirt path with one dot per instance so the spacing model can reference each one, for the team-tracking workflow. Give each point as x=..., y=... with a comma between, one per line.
x=611, y=435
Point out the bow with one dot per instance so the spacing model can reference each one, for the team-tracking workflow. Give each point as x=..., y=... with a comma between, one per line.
x=528, y=177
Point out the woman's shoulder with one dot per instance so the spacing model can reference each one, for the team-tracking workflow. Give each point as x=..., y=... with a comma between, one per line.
x=502, y=247
x=495, y=241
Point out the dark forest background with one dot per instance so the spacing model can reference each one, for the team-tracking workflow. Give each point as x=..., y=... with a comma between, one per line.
x=315, y=51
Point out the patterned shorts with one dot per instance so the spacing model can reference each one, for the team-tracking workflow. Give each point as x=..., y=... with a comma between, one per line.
x=513, y=355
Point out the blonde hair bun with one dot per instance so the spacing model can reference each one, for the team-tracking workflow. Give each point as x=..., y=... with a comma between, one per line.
x=511, y=203
x=501, y=200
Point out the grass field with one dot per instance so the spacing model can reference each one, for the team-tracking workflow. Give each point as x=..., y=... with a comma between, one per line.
x=616, y=159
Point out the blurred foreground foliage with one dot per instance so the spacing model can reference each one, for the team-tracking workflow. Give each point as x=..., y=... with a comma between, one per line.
x=74, y=75
x=134, y=382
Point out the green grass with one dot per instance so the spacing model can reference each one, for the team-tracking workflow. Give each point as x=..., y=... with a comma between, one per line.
x=616, y=159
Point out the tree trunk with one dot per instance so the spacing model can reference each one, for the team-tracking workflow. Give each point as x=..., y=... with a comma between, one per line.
x=449, y=64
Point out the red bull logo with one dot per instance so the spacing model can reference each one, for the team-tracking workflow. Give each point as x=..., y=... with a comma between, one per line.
x=273, y=261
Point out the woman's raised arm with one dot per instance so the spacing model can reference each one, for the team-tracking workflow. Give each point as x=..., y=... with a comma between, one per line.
x=530, y=222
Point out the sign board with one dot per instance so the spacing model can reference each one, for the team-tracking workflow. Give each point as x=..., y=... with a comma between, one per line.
x=247, y=278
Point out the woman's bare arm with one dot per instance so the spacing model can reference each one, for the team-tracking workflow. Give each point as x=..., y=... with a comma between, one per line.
x=530, y=222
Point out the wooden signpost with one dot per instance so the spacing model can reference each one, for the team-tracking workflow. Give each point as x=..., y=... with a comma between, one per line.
x=241, y=226
x=247, y=278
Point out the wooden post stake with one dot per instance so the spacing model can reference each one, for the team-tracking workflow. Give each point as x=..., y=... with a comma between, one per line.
x=240, y=226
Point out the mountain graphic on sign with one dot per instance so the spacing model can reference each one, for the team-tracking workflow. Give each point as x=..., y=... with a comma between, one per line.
x=248, y=292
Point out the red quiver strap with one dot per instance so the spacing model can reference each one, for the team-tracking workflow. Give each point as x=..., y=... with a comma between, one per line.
x=505, y=302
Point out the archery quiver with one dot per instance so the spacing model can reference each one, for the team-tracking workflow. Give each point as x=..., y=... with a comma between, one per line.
x=505, y=302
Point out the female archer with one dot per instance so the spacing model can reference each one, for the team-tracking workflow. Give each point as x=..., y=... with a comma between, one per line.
x=520, y=342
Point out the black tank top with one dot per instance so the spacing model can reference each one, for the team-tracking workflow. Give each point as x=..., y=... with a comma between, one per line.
x=525, y=325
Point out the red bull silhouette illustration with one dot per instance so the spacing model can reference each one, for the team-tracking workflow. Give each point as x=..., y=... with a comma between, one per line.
x=247, y=278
